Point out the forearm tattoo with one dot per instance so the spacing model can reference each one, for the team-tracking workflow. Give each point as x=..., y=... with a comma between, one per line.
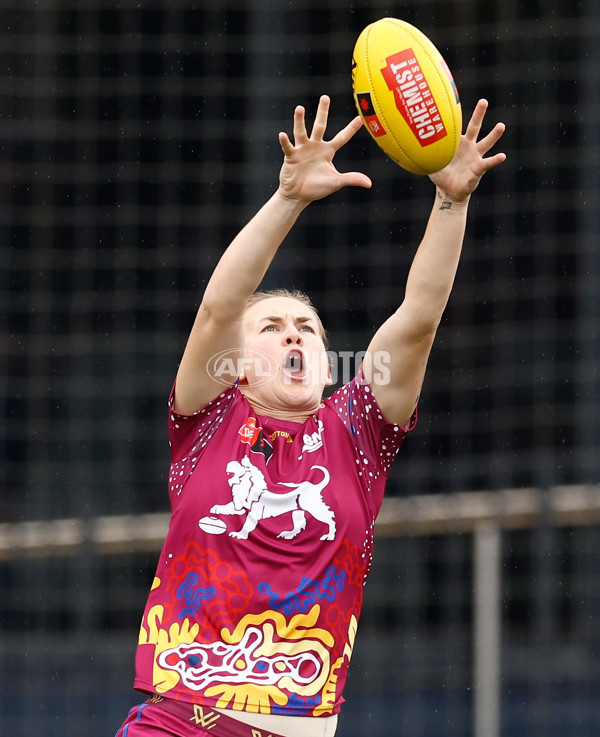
x=445, y=204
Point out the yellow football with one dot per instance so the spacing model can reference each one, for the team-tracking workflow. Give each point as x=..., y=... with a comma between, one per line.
x=406, y=95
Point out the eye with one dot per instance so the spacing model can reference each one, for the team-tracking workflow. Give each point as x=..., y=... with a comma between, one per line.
x=307, y=328
x=269, y=328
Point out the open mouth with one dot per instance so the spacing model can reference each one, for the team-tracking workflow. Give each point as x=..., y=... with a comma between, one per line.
x=294, y=365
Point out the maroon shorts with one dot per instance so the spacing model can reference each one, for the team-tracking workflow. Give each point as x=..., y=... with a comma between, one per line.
x=159, y=717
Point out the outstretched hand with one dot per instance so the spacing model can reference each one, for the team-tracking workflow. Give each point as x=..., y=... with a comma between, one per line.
x=308, y=172
x=462, y=175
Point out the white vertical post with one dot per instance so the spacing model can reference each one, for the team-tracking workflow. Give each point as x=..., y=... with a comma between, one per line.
x=486, y=630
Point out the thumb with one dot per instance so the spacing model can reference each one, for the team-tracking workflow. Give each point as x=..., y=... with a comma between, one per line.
x=355, y=179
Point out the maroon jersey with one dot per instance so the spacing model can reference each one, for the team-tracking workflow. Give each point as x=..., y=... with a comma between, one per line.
x=259, y=586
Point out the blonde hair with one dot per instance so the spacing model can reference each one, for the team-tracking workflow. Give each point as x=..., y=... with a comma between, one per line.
x=291, y=294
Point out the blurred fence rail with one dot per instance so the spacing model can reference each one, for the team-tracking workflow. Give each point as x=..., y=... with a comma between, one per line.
x=508, y=509
x=482, y=608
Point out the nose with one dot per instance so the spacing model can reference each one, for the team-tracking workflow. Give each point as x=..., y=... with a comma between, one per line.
x=293, y=335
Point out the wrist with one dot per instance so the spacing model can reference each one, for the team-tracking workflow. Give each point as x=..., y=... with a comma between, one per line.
x=446, y=202
x=293, y=205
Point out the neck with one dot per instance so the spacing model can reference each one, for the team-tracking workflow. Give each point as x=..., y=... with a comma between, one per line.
x=288, y=414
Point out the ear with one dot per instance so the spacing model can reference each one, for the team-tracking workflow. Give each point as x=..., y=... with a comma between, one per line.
x=329, y=380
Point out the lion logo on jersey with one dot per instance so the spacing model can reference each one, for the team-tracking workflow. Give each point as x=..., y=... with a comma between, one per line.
x=252, y=497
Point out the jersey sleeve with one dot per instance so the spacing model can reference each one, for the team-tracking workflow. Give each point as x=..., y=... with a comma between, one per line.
x=376, y=439
x=190, y=434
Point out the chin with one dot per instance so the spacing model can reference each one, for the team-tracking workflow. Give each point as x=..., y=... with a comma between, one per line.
x=303, y=394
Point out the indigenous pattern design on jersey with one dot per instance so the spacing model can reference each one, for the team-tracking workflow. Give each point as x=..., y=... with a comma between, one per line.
x=258, y=589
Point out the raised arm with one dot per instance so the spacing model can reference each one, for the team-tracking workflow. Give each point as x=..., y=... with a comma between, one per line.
x=307, y=174
x=408, y=335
